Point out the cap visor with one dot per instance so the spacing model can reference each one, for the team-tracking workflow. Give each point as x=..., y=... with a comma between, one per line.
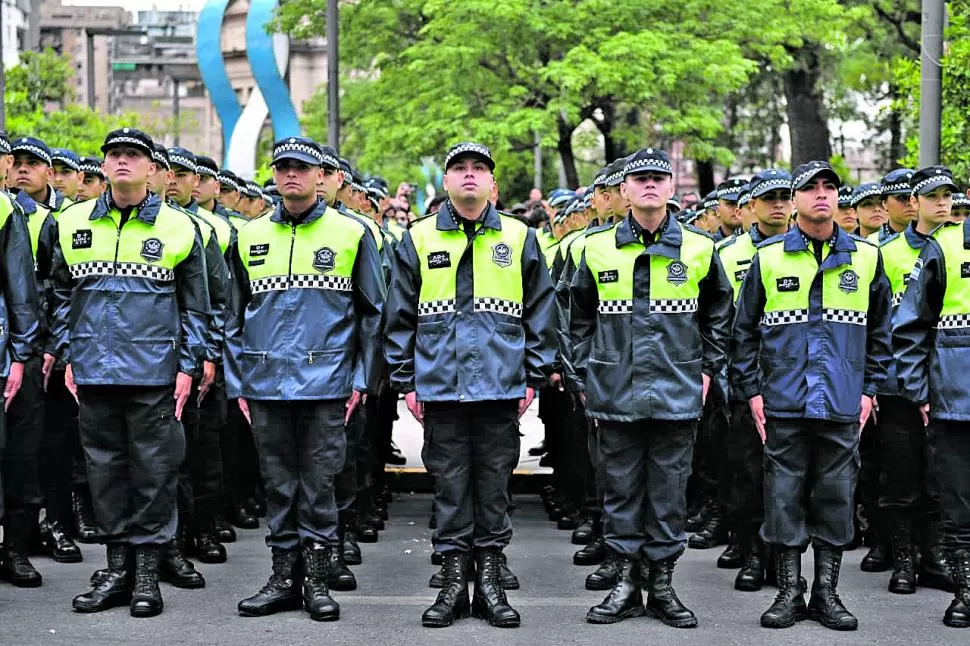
x=306, y=158
x=831, y=174
x=936, y=183
x=457, y=158
x=127, y=144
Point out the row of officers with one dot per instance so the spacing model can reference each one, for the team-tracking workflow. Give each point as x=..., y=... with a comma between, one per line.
x=310, y=316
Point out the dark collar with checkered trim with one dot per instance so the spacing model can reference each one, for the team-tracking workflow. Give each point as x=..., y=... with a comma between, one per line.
x=280, y=214
x=841, y=243
x=146, y=210
x=447, y=218
x=668, y=244
x=756, y=236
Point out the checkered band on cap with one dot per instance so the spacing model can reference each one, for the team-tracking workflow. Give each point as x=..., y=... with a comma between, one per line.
x=183, y=161
x=647, y=164
x=721, y=192
x=462, y=149
x=90, y=168
x=960, y=199
x=293, y=146
x=159, y=158
x=4, y=145
x=228, y=181
x=784, y=317
x=36, y=151
x=614, y=178
x=67, y=161
x=940, y=179
x=123, y=139
x=773, y=184
x=430, y=308
x=812, y=171
x=899, y=187
x=851, y=317
x=673, y=306
x=711, y=203
x=300, y=281
x=600, y=180
x=123, y=269
x=498, y=306
x=872, y=191
x=615, y=307
x=358, y=187
x=205, y=170
x=744, y=198
x=953, y=322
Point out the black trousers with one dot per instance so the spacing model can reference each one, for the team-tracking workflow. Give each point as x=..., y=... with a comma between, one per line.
x=907, y=483
x=346, y=483
x=811, y=468
x=646, y=466
x=951, y=455
x=596, y=483
x=25, y=431
x=577, y=465
x=202, y=474
x=471, y=449
x=710, y=447
x=744, y=459
x=302, y=446
x=133, y=447
x=61, y=450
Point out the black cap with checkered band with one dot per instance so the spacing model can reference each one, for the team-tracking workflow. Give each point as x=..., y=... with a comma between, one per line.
x=132, y=137
x=648, y=160
x=807, y=172
x=896, y=182
x=469, y=149
x=926, y=180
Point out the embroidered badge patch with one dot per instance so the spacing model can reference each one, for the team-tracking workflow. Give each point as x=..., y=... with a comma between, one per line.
x=151, y=250
x=82, y=239
x=787, y=284
x=259, y=249
x=609, y=276
x=965, y=270
x=439, y=260
x=502, y=255
x=740, y=274
x=849, y=281
x=676, y=273
x=324, y=259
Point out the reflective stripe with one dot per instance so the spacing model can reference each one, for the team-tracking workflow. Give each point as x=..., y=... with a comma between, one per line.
x=498, y=306
x=953, y=322
x=674, y=306
x=616, y=307
x=852, y=317
x=784, y=317
x=300, y=281
x=125, y=269
x=436, y=307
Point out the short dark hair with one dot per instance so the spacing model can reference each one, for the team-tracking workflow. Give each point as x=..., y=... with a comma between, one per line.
x=437, y=200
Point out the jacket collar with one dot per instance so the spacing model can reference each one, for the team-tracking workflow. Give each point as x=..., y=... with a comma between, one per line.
x=756, y=236
x=146, y=211
x=317, y=212
x=667, y=245
x=913, y=238
x=26, y=202
x=446, y=218
x=842, y=246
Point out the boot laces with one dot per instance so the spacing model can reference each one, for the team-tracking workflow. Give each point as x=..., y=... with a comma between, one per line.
x=492, y=574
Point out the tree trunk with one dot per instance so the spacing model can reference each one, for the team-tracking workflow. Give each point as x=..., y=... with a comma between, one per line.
x=805, y=107
x=897, y=148
x=705, y=176
x=565, y=147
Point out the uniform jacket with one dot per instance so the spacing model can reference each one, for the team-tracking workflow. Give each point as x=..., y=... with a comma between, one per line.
x=647, y=322
x=469, y=320
x=131, y=302
x=217, y=278
x=900, y=251
x=305, y=311
x=812, y=339
x=20, y=315
x=931, y=331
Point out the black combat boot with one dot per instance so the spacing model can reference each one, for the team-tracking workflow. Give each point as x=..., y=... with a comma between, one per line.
x=242, y=518
x=879, y=557
x=112, y=586
x=607, y=574
x=714, y=533
x=697, y=521
x=958, y=614
x=583, y=534
x=15, y=566
x=223, y=528
x=208, y=549
x=437, y=579
x=592, y=554
x=509, y=580
x=789, y=605
x=903, y=579
x=732, y=557
x=87, y=531
x=934, y=569
x=339, y=576
x=751, y=576
x=452, y=602
x=146, y=598
x=281, y=592
x=316, y=595
x=177, y=570
x=824, y=606
x=625, y=599
x=58, y=543
x=662, y=601
x=489, y=601
x=351, y=550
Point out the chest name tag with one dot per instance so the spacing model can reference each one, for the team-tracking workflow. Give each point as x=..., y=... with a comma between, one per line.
x=82, y=239
x=787, y=284
x=439, y=260
x=740, y=274
x=610, y=276
x=965, y=270
x=259, y=249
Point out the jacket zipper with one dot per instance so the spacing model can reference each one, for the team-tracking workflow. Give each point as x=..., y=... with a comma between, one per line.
x=289, y=270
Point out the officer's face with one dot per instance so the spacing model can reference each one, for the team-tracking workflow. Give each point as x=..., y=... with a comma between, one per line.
x=871, y=213
x=228, y=196
x=326, y=182
x=728, y=214
x=648, y=191
x=30, y=173
x=602, y=202
x=846, y=218
x=180, y=185
x=6, y=162
x=128, y=167
x=934, y=207
x=959, y=213
x=207, y=189
x=900, y=210
x=817, y=201
x=91, y=186
x=65, y=180
x=159, y=180
x=773, y=208
x=468, y=179
x=344, y=193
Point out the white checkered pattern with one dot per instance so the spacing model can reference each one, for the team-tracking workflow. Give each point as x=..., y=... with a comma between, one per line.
x=648, y=164
x=851, y=317
x=300, y=281
x=205, y=170
x=874, y=191
x=91, y=169
x=430, y=308
x=67, y=161
x=498, y=306
x=953, y=322
x=468, y=148
x=674, y=306
x=770, y=185
x=114, y=141
x=897, y=299
x=600, y=180
x=895, y=188
x=123, y=269
x=182, y=161
x=940, y=179
x=228, y=181
x=784, y=317
x=814, y=170
x=36, y=151
x=615, y=307
x=297, y=147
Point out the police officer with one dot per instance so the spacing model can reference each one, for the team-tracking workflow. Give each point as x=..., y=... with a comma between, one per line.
x=229, y=191
x=728, y=193
x=470, y=337
x=66, y=176
x=895, y=200
x=929, y=337
x=811, y=349
x=130, y=321
x=846, y=216
x=92, y=182
x=649, y=314
x=770, y=199
x=300, y=378
x=33, y=172
x=961, y=207
x=208, y=189
x=868, y=204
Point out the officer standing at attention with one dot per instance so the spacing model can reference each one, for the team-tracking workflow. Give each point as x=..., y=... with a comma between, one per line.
x=811, y=338
x=92, y=182
x=870, y=212
x=728, y=193
x=895, y=200
x=130, y=319
x=650, y=309
x=67, y=173
x=299, y=377
x=470, y=337
x=930, y=341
